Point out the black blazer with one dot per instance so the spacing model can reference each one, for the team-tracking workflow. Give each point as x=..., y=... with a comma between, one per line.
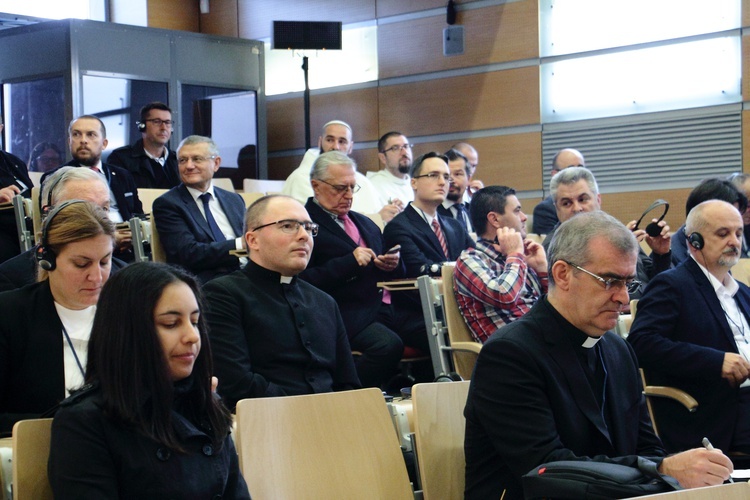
x=186, y=237
x=530, y=402
x=333, y=268
x=545, y=216
x=681, y=334
x=121, y=184
x=32, y=375
x=147, y=173
x=420, y=247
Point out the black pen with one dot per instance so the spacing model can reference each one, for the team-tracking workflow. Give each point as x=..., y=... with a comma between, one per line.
x=707, y=445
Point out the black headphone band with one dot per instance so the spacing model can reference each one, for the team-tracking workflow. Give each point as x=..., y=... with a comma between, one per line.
x=53, y=213
x=654, y=205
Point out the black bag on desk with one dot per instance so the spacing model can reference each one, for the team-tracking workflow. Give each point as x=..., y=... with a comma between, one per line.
x=595, y=480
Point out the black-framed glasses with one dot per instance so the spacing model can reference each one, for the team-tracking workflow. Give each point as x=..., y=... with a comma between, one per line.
x=159, y=122
x=398, y=148
x=631, y=285
x=197, y=160
x=434, y=176
x=291, y=226
x=340, y=188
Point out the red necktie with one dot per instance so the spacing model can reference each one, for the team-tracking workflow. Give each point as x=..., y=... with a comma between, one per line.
x=440, y=237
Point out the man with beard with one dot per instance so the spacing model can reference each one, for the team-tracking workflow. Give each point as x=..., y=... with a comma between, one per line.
x=692, y=331
x=392, y=183
x=87, y=138
x=454, y=204
x=472, y=159
x=151, y=163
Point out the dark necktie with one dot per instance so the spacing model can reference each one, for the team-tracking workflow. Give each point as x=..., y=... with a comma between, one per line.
x=461, y=215
x=215, y=231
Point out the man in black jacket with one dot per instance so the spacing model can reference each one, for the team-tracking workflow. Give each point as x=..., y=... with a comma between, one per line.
x=151, y=163
x=14, y=179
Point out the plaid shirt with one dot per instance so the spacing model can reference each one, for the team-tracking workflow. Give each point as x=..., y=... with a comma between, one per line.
x=493, y=291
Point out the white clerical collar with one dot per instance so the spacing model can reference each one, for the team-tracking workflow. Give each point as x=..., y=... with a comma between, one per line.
x=285, y=280
x=590, y=342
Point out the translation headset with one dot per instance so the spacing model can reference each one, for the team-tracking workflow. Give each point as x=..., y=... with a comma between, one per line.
x=141, y=126
x=45, y=256
x=696, y=240
x=653, y=228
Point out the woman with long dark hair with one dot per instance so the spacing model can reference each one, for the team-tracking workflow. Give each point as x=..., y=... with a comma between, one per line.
x=147, y=423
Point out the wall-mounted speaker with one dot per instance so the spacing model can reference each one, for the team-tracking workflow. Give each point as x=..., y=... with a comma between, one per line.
x=311, y=35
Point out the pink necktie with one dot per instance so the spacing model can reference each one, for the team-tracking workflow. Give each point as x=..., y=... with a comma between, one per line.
x=352, y=230
x=440, y=237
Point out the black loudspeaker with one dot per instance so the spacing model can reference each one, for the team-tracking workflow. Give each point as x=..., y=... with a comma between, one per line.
x=696, y=240
x=45, y=256
x=312, y=35
x=141, y=126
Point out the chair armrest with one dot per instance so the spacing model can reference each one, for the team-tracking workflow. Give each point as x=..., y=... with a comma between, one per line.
x=678, y=395
x=474, y=347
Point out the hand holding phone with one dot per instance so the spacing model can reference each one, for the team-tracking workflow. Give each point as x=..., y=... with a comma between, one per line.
x=393, y=250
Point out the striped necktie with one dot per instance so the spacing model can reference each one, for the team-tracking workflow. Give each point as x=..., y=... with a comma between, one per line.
x=440, y=237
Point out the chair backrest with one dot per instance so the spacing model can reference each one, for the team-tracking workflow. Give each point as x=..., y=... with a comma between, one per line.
x=36, y=213
x=262, y=186
x=250, y=198
x=157, y=250
x=463, y=346
x=333, y=445
x=147, y=197
x=30, y=453
x=741, y=271
x=224, y=183
x=439, y=426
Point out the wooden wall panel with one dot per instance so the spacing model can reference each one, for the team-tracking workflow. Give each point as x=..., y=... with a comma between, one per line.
x=745, y=13
x=501, y=33
x=745, y=68
x=510, y=160
x=221, y=19
x=286, y=123
x=474, y=102
x=174, y=15
x=256, y=16
x=387, y=8
x=746, y=140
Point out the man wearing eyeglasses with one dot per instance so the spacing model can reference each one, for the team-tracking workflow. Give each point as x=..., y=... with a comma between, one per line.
x=199, y=223
x=454, y=205
x=349, y=259
x=273, y=334
x=692, y=331
x=392, y=182
x=151, y=163
x=427, y=239
x=558, y=384
x=472, y=161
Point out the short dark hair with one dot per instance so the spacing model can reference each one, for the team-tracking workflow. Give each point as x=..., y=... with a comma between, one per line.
x=715, y=188
x=454, y=155
x=416, y=167
x=486, y=200
x=126, y=360
x=385, y=137
x=145, y=110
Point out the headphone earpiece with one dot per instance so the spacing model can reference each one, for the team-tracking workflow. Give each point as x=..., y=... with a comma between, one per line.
x=653, y=229
x=141, y=126
x=696, y=240
x=45, y=256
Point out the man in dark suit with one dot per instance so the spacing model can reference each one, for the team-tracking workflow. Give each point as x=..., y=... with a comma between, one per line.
x=454, y=205
x=151, y=163
x=87, y=138
x=427, y=240
x=545, y=214
x=692, y=332
x=199, y=223
x=348, y=260
x=558, y=385
x=14, y=180
x=273, y=334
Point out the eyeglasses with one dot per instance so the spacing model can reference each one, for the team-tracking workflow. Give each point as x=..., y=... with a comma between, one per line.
x=159, y=122
x=291, y=226
x=397, y=148
x=340, y=188
x=631, y=285
x=197, y=160
x=434, y=176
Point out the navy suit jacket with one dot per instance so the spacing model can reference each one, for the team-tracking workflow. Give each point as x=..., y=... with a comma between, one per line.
x=680, y=334
x=121, y=184
x=530, y=403
x=186, y=237
x=333, y=268
x=420, y=247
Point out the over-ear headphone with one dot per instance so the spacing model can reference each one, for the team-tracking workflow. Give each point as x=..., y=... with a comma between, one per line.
x=45, y=256
x=696, y=240
x=653, y=228
x=141, y=126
